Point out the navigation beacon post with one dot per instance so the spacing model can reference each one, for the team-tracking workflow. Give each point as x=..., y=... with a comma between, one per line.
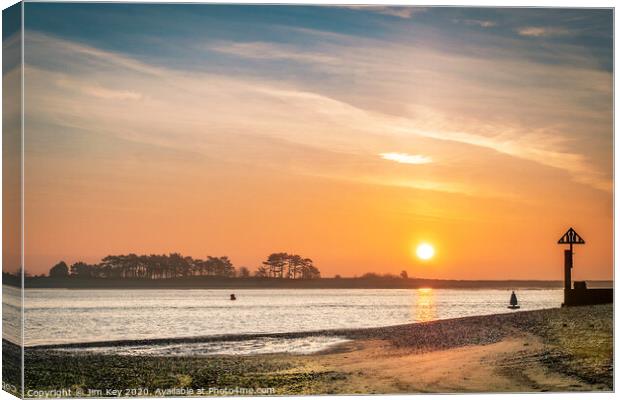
x=570, y=237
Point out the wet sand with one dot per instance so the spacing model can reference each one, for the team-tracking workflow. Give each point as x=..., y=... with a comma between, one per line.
x=567, y=349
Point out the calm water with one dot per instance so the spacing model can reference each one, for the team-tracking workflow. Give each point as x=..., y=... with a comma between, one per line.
x=66, y=316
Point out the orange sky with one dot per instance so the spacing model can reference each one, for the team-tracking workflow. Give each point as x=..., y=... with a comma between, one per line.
x=375, y=145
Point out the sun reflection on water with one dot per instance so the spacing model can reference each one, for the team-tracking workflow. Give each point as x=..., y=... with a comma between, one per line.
x=424, y=307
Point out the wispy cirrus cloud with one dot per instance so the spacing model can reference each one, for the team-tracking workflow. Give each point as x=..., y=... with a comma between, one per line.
x=109, y=94
x=541, y=31
x=264, y=50
x=261, y=108
x=99, y=91
x=477, y=22
x=405, y=158
x=405, y=12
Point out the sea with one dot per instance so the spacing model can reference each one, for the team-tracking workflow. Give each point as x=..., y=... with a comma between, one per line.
x=64, y=316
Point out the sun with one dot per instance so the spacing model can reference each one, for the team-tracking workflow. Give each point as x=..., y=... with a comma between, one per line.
x=425, y=251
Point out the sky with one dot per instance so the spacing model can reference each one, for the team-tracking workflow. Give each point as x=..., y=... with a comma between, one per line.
x=345, y=134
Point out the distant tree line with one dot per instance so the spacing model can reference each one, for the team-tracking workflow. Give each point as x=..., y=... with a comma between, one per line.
x=374, y=275
x=291, y=266
x=174, y=265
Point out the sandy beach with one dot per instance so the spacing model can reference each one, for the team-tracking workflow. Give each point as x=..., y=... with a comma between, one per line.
x=566, y=349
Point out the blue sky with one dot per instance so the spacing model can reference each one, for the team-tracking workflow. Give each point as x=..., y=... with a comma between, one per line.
x=140, y=29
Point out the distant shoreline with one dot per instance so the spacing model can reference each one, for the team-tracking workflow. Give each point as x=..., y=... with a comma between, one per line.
x=275, y=283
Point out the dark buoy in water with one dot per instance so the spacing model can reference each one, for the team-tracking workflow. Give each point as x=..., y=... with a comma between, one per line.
x=513, y=301
x=232, y=297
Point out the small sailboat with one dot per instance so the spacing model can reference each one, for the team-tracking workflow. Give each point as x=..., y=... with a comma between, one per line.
x=514, y=305
x=233, y=297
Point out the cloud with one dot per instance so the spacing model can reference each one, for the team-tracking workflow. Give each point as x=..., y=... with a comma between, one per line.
x=404, y=12
x=477, y=22
x=434, y=185
x=405, y=158
x=99, y=91
x=406, y=97
x=86, y=57
x=538, y=31
x=111, y=94
x=263, y=50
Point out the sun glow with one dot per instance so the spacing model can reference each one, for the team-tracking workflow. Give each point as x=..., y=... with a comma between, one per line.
x=425, y=251
x=424, y=305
